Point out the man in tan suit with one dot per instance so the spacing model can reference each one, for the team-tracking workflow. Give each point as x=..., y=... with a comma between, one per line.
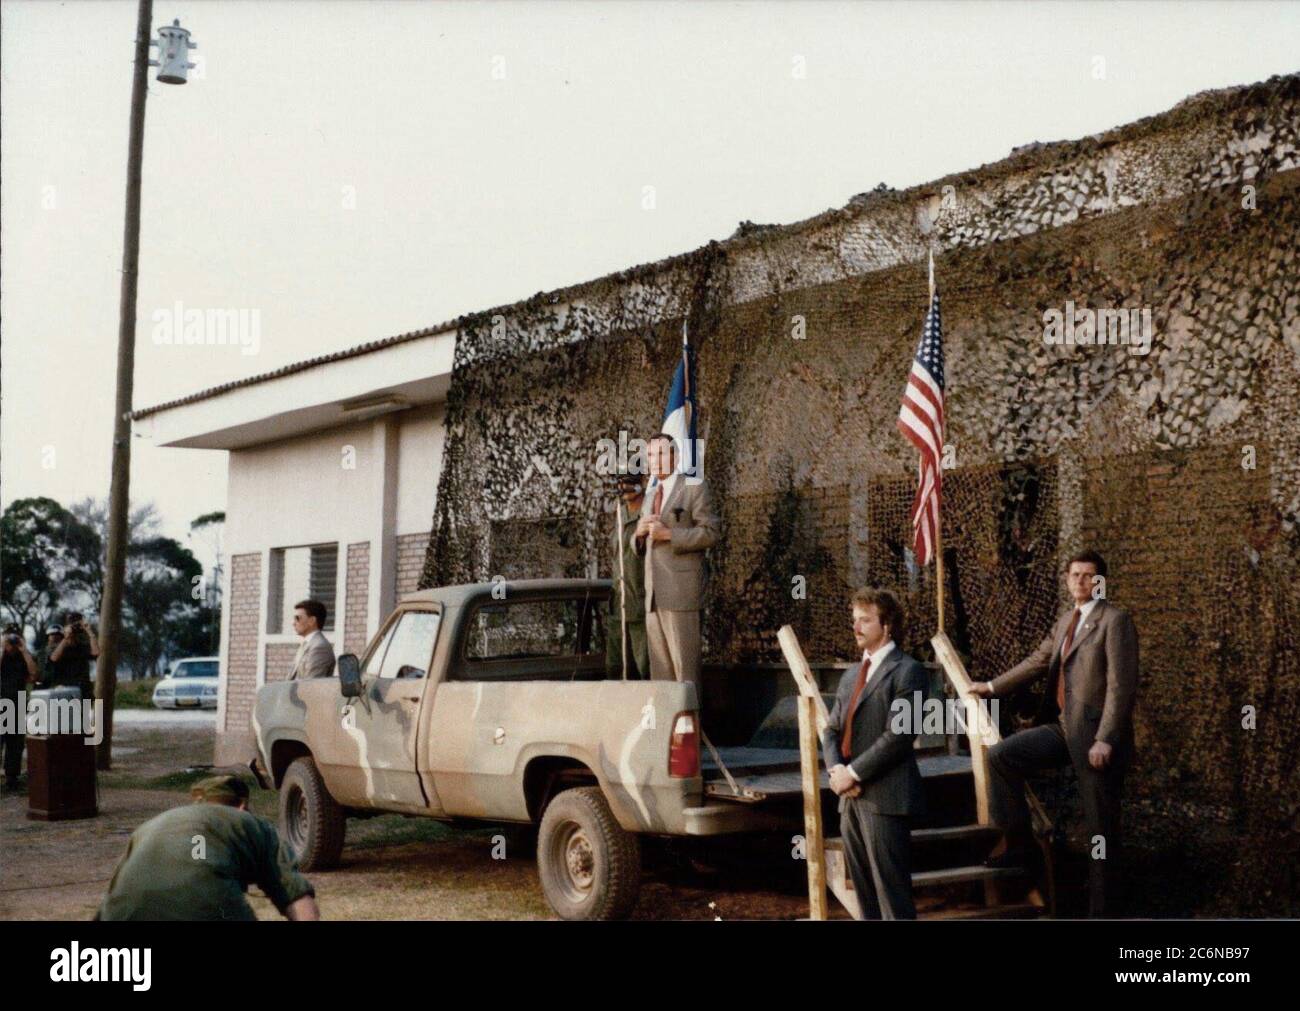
x=677, y=526
x=315, y=657
x=1086, y=719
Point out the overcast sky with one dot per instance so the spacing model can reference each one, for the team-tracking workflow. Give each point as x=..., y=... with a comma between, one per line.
x=353, y=170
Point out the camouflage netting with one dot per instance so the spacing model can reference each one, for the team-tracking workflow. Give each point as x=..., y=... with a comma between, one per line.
x=1181, y=466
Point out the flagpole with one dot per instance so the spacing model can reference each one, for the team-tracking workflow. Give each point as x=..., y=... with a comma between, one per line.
x=686, y=390
x=938, y=517
x=622, y=584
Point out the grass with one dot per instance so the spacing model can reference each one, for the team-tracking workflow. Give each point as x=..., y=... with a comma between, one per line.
x=135, y=694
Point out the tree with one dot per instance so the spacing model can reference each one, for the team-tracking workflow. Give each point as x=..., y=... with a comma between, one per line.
x=158, y=606
x=43, y=550
x=209, y=527
x=143, y=523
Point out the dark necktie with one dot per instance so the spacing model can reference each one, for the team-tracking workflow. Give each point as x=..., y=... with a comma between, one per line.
x=1066, y=643
x=846, y=741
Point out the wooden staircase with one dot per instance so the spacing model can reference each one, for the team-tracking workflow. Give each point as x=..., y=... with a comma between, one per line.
x=949, y=879
x=949, y=843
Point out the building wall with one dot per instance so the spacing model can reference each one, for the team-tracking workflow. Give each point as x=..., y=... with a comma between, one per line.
x=239, y=649
x=355, y=486
x=357, y=593
x=410, y=561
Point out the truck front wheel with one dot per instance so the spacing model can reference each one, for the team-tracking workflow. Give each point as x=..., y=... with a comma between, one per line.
x=311, y=822
x=589, y=865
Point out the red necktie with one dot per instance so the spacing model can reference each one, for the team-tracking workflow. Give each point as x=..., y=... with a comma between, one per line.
x=1066, y=643
x=658, y=506
x=847, y=740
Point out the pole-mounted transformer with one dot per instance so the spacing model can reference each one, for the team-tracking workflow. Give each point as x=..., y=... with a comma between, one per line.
x=173, y=48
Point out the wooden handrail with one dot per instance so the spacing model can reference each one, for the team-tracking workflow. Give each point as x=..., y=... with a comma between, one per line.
x=982, y=733
x=813, y=719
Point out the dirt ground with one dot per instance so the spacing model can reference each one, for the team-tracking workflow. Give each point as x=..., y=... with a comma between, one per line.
x=393, y=867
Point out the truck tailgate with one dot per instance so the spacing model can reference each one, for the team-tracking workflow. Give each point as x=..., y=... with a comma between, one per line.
x=773, y=774
x=760, y=774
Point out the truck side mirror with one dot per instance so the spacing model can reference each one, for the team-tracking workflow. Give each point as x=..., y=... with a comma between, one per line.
x=349, y=676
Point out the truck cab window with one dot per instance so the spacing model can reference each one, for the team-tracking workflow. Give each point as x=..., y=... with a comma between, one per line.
x=411, y=646
x=524, y=629
x=376, y=658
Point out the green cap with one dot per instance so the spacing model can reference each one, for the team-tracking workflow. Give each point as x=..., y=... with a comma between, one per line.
x=220, y=789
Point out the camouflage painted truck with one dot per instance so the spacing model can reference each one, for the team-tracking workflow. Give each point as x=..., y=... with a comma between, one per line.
x=495, y=703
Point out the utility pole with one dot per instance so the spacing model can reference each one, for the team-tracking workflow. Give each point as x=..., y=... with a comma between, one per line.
x=119, y=495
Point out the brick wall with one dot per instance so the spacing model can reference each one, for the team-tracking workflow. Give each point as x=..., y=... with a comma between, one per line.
x=410, y=561
x=355, y=597
x=279, y=660
x=241, y=655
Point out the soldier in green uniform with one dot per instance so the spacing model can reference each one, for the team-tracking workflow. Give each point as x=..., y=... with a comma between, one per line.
x=196, y=862
x=628, y=599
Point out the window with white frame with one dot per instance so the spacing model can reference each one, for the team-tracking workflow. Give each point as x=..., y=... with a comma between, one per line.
x=308, y=572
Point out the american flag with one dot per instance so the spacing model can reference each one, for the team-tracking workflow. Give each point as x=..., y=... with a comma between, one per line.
x=921, y=421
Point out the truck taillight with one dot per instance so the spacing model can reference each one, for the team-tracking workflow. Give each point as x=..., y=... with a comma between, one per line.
x=684, y=748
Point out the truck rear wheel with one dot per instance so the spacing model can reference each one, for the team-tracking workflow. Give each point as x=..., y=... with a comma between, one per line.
x=589, y=865
x=311, y=822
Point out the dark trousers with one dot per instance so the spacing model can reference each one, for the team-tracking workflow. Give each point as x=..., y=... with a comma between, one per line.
x=1045, y=747
x=12, y=744
x=878, y=851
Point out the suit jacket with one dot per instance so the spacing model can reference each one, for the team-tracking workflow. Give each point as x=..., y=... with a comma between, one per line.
x=315, y=658
x=884, y=761
x=674, y=570
x=1101, y=686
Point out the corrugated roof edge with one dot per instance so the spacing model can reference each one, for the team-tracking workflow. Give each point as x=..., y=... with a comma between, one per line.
x=1023, y=158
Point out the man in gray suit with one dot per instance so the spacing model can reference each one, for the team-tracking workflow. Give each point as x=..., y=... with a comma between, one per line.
x=1085, y=719
x=315, y=657
x=872, y=767
x=677, y=526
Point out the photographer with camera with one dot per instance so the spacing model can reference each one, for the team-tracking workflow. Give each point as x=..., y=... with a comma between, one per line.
x=69, y=661
x=17, y=672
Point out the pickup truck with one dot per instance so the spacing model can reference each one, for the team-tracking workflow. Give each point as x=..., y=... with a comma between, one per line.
x=493, y=702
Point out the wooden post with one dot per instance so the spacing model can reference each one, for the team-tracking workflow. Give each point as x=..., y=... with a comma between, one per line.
x=814, y=843
x=813, y=718
x=979, y=728
x=119, y=486
x=803, y=674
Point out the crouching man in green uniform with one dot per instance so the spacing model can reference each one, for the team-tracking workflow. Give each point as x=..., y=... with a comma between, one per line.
x=196, y=863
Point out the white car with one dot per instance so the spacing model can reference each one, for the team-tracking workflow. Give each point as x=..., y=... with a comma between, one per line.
x=191, y=684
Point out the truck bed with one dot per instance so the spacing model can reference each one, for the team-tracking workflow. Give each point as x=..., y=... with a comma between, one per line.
x=773, y=774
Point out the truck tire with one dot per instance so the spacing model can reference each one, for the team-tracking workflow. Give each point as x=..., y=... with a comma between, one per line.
x=311, y=822
x=589, y=865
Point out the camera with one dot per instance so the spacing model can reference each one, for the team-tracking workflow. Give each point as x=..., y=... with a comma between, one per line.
x=12, y=639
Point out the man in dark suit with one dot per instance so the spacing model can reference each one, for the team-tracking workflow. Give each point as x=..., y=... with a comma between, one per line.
x=1090, y=660
x=872, y=767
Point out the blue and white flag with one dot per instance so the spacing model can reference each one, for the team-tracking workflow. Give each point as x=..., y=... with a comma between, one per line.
x=680, y=414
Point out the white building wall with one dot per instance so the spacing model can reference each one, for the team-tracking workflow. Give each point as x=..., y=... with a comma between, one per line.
x=370, y=481
x=419, y=465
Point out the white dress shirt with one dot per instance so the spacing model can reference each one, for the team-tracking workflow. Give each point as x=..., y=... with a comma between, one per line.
x=1084, y=611
x=873, y=662
x=670, y=485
